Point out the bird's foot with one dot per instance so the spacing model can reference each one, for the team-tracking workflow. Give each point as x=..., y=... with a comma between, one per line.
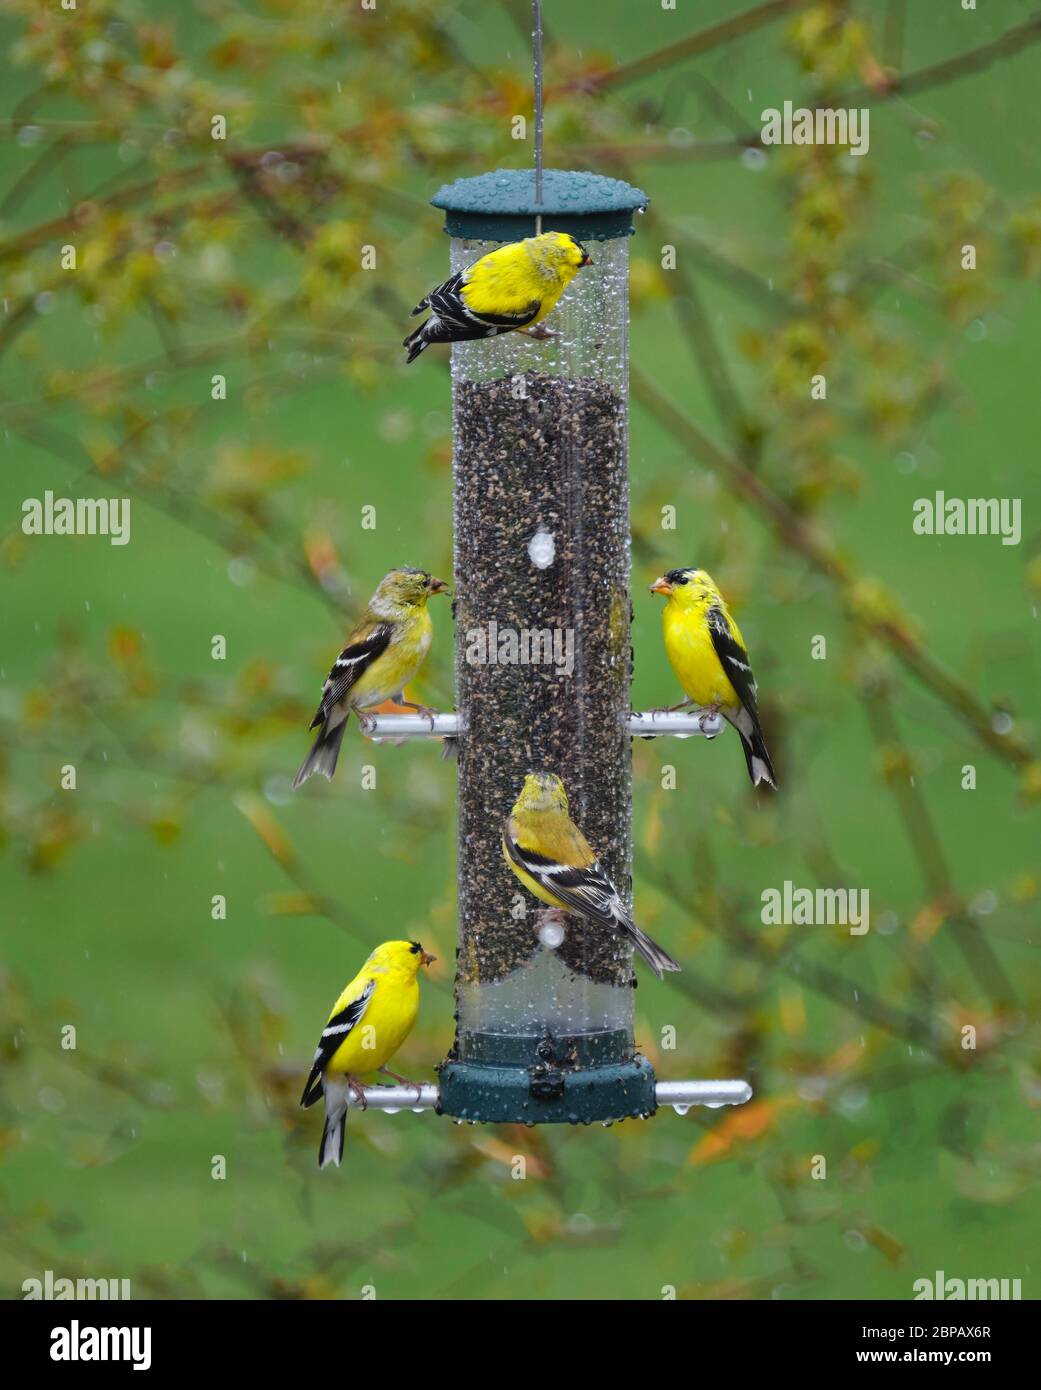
x=704, y=715
x=358, y=1092
x=403, y=1081
x=670, y=709
x=538, y=333
x=366, y=722
x=425, y=710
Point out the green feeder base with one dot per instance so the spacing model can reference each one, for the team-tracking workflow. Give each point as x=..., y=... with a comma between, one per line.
x=534, y=1080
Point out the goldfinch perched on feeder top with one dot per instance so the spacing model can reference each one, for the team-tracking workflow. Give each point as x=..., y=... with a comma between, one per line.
x=551, y=857
x=382, y=655
x=369, y=1022
x=706, y=650
x=510, y=289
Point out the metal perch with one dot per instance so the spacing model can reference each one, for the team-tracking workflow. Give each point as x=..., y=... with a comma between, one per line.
x=681, y=1095
x=649, y=724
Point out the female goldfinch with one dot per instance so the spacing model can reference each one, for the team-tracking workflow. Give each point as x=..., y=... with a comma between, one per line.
x=706, y=650
x=551, y=857
x=369, y=1022
x=512, y=288
x=382, y=655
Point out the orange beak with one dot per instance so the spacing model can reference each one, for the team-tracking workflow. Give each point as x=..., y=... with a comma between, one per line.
x=661, y=586
x=438, y=586
x=586, y=260
x=427, y=958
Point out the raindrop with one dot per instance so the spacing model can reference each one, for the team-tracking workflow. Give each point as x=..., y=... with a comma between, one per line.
x=241, y=571
x=278, y=789
x=983, y=904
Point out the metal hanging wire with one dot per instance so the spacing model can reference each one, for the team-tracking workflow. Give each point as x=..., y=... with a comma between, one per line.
x=536, y=38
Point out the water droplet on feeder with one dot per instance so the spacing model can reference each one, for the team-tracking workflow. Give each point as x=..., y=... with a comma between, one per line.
x=542, y=549
x=681, y=1109
x=551, y=934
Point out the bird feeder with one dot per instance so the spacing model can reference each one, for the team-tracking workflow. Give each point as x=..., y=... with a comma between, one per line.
x=543, y=661
x=544, y=1004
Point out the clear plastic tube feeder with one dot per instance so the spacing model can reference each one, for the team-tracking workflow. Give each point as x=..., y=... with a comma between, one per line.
x=543, y=660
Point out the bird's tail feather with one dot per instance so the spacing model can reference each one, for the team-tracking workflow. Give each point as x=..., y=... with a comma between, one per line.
x=415, y=344
x=330, y=1150
x=437, y=330
x=420, y=338
x=760, y=768
x=658, y=959
x=323, y=754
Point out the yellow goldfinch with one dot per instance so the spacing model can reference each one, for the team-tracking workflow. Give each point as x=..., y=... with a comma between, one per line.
x=382, y=655
x=706, y=650
x=511, y=288
x=551, y=857
x=369, y=1022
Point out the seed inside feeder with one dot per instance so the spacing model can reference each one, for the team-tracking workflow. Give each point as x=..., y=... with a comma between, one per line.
x=563, y=442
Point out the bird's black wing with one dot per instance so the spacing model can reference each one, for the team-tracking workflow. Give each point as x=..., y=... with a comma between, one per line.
x=448, y=304
x=586, y=891
x=333, y=1035
x=349, y=666
x=734, y=660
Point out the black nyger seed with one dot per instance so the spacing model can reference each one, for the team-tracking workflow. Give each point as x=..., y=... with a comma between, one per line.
x=555, y=459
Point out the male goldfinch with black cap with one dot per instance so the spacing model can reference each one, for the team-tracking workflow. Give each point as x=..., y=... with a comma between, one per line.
x=369, y=1022
x=706, y=650
x=509, y=290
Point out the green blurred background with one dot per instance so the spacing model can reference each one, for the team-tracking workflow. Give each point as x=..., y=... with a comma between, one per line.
x=243, y=257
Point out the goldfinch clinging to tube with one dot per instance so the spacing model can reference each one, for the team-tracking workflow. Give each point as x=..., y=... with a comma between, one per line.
x=551, y=857
x=369, y=1022
x=510, y=289
x=706, y=650
x=382, y=655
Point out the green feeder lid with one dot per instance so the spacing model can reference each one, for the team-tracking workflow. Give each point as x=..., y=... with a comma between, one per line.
x=500, y=206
